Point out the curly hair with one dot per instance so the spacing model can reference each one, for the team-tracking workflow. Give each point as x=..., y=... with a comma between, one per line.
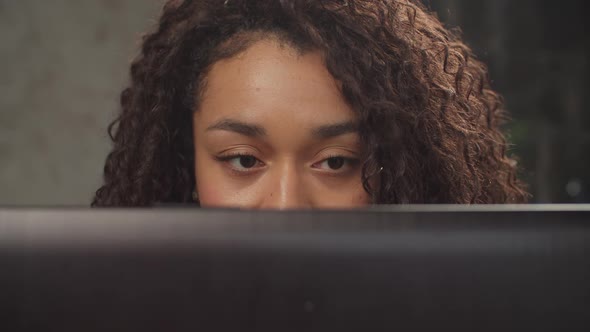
x=428, y=117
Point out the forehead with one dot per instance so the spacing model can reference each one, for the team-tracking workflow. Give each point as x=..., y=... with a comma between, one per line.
x=272, y=84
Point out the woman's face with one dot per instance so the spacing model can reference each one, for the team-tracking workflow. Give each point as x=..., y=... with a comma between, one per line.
x=274, y=132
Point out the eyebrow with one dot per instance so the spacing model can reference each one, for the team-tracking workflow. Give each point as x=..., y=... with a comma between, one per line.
x=334, y=130
x=252, y=130
x=239, y=127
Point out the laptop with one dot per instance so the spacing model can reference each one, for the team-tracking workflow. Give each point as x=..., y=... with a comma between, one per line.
x=405, y=268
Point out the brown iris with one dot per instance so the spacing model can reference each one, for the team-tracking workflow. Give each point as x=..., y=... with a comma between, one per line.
x=335, y=163
x=247, y=161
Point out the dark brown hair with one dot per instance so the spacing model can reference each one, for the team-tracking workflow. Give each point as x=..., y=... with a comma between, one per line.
x=426, y=111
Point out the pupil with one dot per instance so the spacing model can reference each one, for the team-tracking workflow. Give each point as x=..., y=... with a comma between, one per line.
x=336, y=163
x=247, y=161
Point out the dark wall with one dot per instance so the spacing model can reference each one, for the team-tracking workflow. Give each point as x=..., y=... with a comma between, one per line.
x=537, y=52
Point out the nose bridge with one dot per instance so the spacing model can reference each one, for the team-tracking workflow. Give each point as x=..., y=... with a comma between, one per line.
x=287, y=189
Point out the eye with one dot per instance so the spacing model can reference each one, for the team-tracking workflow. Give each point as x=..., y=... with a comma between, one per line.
x=241, y=163
x=334, y=164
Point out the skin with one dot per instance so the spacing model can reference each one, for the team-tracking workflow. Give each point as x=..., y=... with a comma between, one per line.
x=273, y=132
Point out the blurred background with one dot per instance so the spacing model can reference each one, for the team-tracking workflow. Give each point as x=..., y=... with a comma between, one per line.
x=63, y=64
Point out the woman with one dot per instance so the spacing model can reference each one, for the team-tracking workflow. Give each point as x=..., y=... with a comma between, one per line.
x=306, y=104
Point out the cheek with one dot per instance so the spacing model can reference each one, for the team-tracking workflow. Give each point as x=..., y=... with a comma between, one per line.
x=210, y=195
x=361, y=198
x=341, y=195
x=209, y=184
x=220, y=195
x=215, y=189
